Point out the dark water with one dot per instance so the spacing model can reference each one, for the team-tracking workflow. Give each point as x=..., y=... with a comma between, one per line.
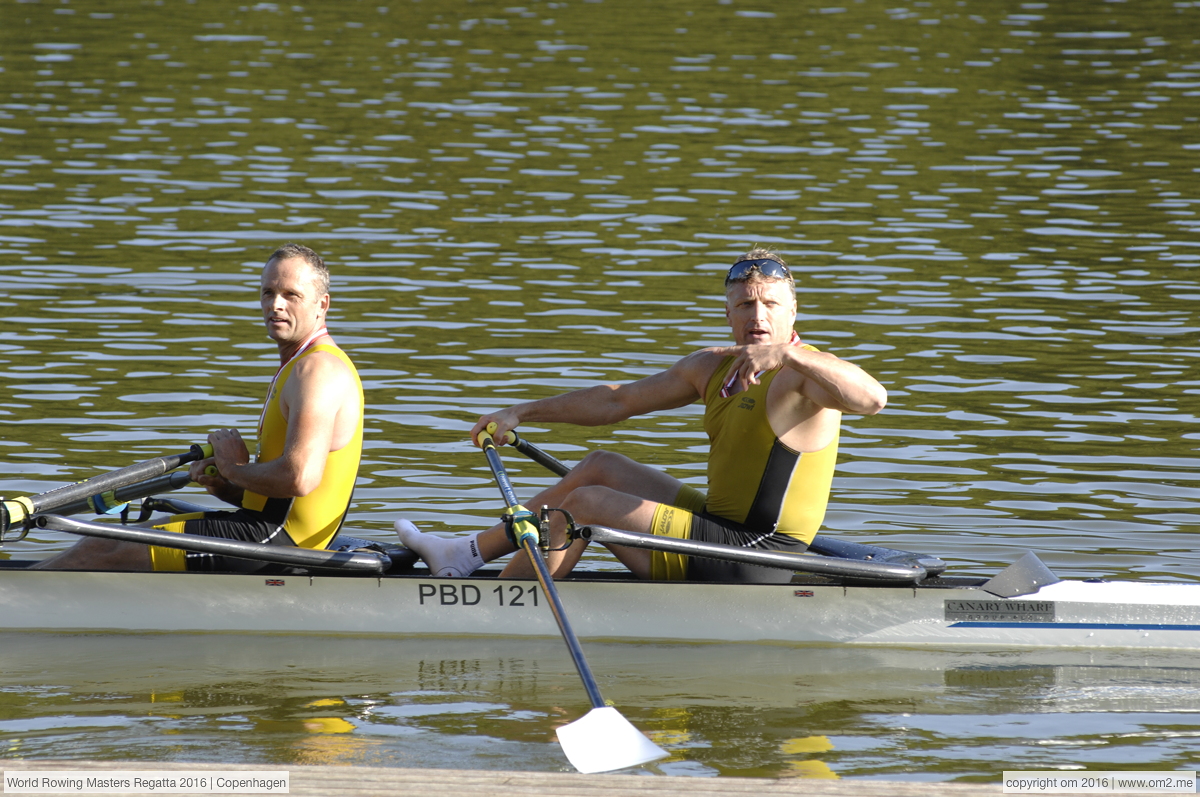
x=990, y=207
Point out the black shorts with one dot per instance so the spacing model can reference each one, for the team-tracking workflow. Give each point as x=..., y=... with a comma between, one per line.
x=710, y=528
x=683, y=523
x=241, y=524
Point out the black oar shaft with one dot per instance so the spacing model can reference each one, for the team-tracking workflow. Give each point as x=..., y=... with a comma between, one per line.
x=118, y=478
x=564, y=625
x=18, y=510
x=529, y=543
x=538, y=455
x=497, y=466
x=102, y=502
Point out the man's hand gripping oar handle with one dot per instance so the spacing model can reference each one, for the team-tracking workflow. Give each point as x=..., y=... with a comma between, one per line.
x=520, y=523
x=18, y=510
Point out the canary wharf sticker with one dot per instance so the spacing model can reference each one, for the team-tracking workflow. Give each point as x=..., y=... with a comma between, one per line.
x=999, y=611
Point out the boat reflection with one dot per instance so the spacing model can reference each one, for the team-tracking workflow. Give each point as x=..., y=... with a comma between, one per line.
x=749, y=710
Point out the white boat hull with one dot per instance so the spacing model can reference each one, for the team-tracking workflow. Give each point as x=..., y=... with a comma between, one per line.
x=1065, y=614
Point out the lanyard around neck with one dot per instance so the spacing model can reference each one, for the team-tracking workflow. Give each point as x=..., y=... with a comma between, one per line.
x=308, y=344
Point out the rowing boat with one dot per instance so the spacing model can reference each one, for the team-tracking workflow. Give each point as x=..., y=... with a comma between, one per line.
x=845, y=593
x=938, y=611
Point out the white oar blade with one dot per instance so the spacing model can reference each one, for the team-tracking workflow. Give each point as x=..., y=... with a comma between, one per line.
x=603, y=740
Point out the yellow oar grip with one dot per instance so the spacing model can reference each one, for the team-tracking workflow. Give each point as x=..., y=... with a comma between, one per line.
x=486, y=434
x=211, y=470
x=18, y=509
x=509, y=436
x=207, y=449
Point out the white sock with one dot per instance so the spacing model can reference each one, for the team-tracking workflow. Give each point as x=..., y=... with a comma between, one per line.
x=453, y=557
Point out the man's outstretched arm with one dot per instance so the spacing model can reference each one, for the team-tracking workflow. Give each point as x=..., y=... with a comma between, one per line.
x=679, y=385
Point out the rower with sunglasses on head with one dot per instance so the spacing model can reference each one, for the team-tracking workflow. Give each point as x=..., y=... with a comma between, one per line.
x=773, y=408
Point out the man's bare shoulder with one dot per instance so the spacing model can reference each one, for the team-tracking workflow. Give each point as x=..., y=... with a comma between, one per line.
x=704, y=359
x=322, y=370
x=699, y=366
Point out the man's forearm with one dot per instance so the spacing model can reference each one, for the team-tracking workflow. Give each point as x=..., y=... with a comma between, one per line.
x=850, y=386
x=274, y=479
x=590, y=406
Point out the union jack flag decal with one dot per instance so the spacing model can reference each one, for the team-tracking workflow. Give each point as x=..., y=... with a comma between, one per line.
x=275, y=582
x=803, y=593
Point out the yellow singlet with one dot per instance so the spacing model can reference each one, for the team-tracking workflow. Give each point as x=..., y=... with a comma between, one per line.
x=755, y=479
x=313, y=519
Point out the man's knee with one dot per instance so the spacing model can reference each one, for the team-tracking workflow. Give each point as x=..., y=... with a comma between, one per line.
x=601, y=468
x=585, y=503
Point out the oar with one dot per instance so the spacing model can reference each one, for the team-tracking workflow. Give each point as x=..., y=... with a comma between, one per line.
x=102, y=503
x=537, y=455
x=602, y=740
x=18, y=510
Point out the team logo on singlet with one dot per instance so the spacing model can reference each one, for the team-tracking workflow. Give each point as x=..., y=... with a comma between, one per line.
x=746, y=404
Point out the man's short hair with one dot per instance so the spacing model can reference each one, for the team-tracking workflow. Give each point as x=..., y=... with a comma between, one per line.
x=320, y=270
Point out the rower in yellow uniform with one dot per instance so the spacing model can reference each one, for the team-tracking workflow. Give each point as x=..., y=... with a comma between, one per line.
x=754, y=480
x=298, y=488
x=773, y=408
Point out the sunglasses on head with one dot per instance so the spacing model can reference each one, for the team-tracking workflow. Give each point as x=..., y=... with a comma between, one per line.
x=765, y=266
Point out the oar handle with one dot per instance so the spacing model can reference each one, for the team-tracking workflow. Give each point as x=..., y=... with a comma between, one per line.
x=510, y=436
x=485, y=435
x=524, y=523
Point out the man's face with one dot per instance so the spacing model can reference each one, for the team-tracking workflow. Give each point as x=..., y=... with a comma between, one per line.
x=763, y=311
x=291, y=306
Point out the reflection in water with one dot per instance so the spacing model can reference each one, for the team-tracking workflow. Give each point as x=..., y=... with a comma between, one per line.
x=746, y=710
x=990, y=208
x=808, y=767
